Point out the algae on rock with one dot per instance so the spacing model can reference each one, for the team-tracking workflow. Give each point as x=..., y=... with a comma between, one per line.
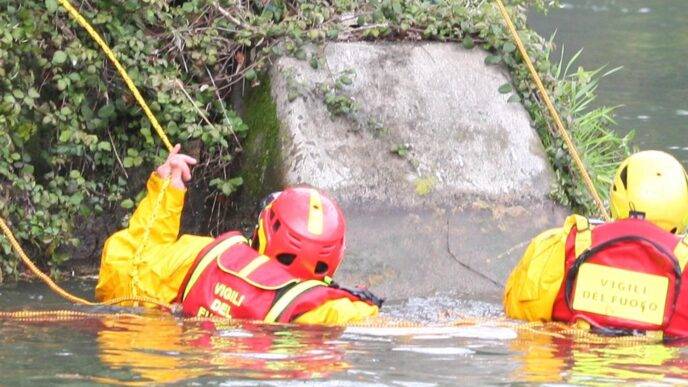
x=261, y=154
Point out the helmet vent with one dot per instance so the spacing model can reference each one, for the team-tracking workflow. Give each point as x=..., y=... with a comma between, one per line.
x=293, y=236
x=293, y=239
x=327, y=250
x=624, y=177
x=673, y=230
x=321, y=267
x=276, y=225
x=272, y=214
x=286, y=259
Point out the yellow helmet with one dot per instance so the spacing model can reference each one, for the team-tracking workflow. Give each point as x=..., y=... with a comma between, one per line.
x=652, y=184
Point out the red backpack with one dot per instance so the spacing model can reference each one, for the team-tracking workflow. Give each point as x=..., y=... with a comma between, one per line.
x=625, y=275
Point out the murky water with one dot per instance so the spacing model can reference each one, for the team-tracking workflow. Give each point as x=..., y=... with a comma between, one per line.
x=157, y=348
x=649, y=38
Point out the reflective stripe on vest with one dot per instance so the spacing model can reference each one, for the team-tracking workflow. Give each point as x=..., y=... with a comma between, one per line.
x=288, y=297
x=253, y=265
x=210, y=257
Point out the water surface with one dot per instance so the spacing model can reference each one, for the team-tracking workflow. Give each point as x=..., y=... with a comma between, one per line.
x=649, y=38
x=466, y=342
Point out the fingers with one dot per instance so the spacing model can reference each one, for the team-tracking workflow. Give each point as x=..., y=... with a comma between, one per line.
x=181, y=167
x=188, y=159
x=177, y=166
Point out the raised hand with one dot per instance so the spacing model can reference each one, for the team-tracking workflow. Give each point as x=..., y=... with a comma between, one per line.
x=177, y=167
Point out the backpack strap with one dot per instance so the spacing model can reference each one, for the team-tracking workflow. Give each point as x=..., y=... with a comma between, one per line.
x=583, y=232
x=681, y=252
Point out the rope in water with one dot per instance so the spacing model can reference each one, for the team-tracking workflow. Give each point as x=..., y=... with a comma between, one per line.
x=60, y=291
x=553, y=113
x=552, y=329
x=58, y=315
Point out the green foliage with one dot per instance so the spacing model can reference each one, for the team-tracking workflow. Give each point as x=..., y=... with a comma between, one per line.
x=70, y=132
x=72, y=138
x=336, y=100
x=227, y=186
x=600, y=147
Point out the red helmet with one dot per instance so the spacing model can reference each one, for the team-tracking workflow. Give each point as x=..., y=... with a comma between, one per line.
x=304, y=230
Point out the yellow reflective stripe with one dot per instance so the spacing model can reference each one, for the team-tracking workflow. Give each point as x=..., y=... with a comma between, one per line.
x=681, y=252
x=254, y=283
x=583, y=235
x=289, y=297
x=315, y=214
x=253, y=265
x=209, y=257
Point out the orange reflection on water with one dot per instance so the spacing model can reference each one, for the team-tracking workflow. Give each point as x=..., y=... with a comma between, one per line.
x=165, y=349
x=545, y=355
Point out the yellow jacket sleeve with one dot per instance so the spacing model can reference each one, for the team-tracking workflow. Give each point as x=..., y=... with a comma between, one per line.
x=159, y=271
x=534, y=283
x=338, y=312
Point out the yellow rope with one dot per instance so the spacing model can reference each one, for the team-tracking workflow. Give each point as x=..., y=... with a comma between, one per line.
x=151, y=117
x=60, y=291
x=57, y=315
x=553, y=112
x=111, y=55
x=146, y=235
x=27, y=261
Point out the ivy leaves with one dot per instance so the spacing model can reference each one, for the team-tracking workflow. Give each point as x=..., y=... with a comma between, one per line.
x=71, y=133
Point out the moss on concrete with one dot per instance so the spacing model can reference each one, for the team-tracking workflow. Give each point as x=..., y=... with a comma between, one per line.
x=262, y=157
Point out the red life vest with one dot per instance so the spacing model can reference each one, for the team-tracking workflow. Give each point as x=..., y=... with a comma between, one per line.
x=625, y=275
x=230, y=279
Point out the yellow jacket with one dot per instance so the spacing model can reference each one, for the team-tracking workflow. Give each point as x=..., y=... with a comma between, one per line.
x=166, y=258
x=533, y=285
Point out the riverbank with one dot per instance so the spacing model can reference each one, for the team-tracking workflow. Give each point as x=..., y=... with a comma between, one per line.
x=55, y=179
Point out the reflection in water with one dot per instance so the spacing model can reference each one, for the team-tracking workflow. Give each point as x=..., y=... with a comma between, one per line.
x=480, y=348
x=167, y=350
x=164, y=349
x=551, y=358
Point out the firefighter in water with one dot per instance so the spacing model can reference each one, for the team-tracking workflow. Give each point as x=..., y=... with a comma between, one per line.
x=623, y=276
x=282, y=274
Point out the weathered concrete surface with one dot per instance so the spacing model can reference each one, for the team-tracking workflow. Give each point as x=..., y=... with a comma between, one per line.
x=445, y=216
